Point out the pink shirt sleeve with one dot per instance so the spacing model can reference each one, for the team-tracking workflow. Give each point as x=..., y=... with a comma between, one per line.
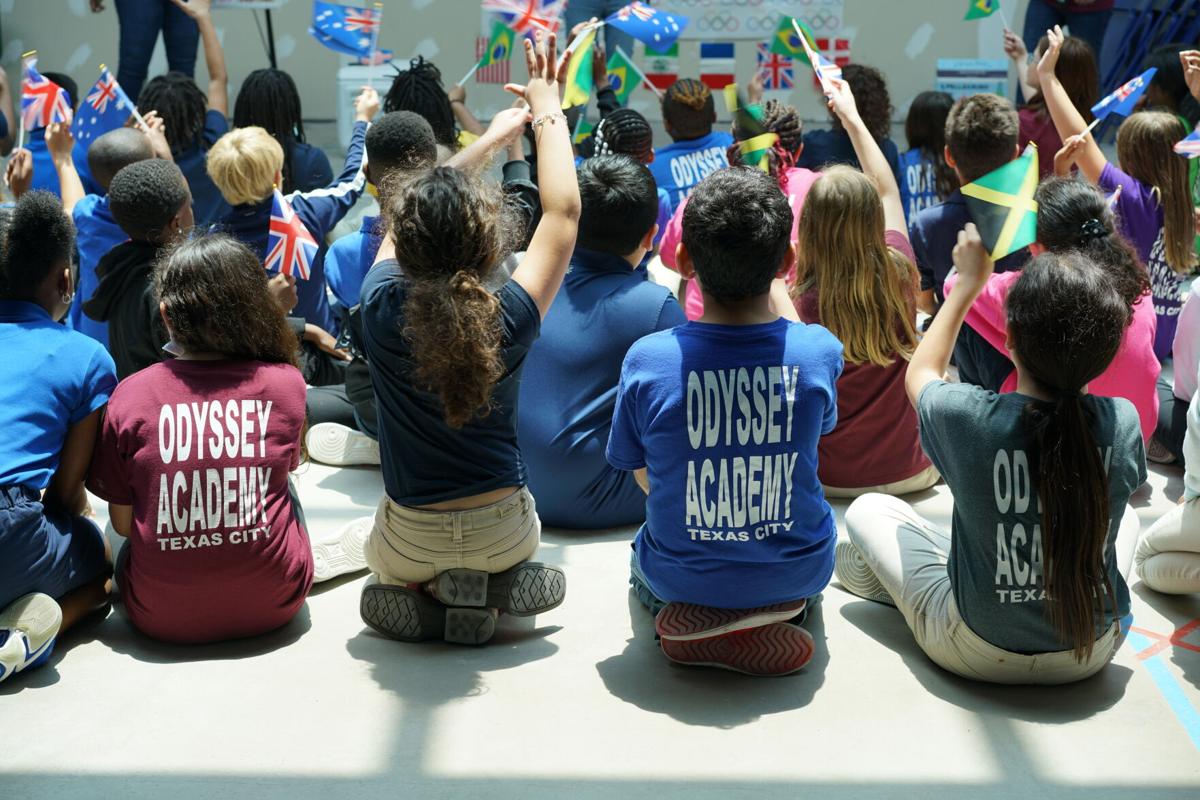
x=986, y=315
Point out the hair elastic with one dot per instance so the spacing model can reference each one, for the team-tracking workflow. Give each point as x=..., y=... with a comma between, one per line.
x=1092, y=229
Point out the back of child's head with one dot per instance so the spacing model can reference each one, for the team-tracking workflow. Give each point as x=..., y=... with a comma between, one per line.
x=1168, y=88
x=419, y=89
x=114, y=151
x=1076, y=70
x=620, y=204
x=1066, y=320
x=67, y=83
x=145, y=196
x=214, y=293
x=243, y=165
x=736, y=228
x=269, y=99
x=688, y=110
x=1074, y=215
x=39, y=240
x=400, y=140
x=863, y=286
x=982, y=132
x=451, y=231
x=625, y=132
x=783, y=121
x=871, y=96
x=182, y=106
x=925, y=130
x=1145, y=148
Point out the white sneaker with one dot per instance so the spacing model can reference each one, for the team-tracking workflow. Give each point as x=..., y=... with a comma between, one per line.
x=339, y=446
x=28, y=629
x=344, y=552
x=856, y=576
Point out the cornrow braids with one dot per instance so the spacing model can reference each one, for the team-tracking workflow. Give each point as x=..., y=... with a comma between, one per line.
x=182, y=106
x=783, y=121
x=269, y=99
x=688, y=110
x=419, y=89
x=625, y=132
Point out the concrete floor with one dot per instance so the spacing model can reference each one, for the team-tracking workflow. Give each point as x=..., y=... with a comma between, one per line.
x=580, y=703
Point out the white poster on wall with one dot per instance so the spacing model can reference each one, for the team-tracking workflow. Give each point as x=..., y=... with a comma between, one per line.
x=754, y=19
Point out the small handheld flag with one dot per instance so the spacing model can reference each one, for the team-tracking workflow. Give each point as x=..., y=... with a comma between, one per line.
x=1189, y=146
x=43, y=102
x=527, y=16
x=105, y=108
x=290, y=247
x=499, y=49
x=579, y=70
x=754, y=140
x=348, y=30
x=1125, y=98
x=659, y=29
x=1002, y=205
x=624, y=75
x=826, y=71
x=787, y=38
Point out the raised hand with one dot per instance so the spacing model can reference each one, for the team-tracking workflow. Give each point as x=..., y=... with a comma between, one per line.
x=546, y=73
x=18, y=175
x=366, y=105
x=971, y=259
x=60, y=141
x=1014, y=46
x=1191, y=71
x=1049, y=60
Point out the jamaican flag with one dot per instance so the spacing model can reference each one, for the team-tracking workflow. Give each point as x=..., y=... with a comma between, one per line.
x=579, y=72
x=754, y=140
x=978, y=9
x=1002, y=205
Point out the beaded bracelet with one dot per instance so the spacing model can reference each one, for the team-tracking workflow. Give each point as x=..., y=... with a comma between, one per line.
x=542, y=119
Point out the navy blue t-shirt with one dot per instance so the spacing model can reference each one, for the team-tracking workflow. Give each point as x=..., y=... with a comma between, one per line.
x=569, y=390
x=424, y=460
x=825, y=147
x=726, y=420
x=207, y=203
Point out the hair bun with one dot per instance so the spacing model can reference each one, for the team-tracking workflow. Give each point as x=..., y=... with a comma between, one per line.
x=1092, y=229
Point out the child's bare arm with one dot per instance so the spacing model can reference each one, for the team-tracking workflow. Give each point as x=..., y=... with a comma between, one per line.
x=1067, y=120
x=870, y=156
x=66, y=490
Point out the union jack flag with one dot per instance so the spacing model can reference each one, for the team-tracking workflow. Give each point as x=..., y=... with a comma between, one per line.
x=636, y=9
x=778, y=70
x=360, y=19
x=1190, y=146
x=290, y=247
x=43, y=102
x=527, y=16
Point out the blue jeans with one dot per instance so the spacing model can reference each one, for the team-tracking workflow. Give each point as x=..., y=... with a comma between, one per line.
x=1087, y=25
x=582, y=10
x=637, y=580
x=140, y=22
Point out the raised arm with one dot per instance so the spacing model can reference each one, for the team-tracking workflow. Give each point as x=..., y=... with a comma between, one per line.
x=874, y=164
x=506, y=129
x=60, y=142
x=930, y=361
x=541, y=271
x=214, y=55
x=1014, y=47
x=1067, y=120
x=462, y=114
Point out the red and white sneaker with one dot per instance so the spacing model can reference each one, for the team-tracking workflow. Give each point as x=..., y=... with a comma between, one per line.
x=684, y=622
x=775, y=649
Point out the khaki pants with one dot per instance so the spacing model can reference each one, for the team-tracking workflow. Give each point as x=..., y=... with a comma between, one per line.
x=409, y=545
x=923, y=480
x=908, y=555
x=1168, y=556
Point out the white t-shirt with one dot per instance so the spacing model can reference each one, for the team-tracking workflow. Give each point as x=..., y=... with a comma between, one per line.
x=1186, y=349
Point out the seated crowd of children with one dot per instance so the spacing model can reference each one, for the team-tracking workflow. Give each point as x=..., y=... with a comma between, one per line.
x=500, y=353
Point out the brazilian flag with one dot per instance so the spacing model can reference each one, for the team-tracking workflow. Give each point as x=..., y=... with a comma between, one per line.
x=583, y=130
x=500, y=46
x=1002, y=205
x=579, y=71
x=978, y=9
x=623, y=75
x=786, y=41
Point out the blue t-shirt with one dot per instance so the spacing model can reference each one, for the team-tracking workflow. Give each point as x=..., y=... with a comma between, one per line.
x=825, y=147
x=569, y=390
x=918, y=183
x=726, y=419
x=96, y=232
x=349, y=258
x=424, y=460
x=56, y=378
x=45, y=177
x=678, y=167
x=207, y=203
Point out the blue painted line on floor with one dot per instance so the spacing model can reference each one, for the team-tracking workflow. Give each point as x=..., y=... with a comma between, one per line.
x=1172, y=692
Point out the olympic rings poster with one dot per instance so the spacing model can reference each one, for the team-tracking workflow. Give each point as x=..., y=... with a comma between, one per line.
x=724, y=20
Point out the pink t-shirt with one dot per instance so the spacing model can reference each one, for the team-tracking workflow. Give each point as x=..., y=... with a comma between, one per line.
x=1133, y=373
x=202, y=451
x=799, y=181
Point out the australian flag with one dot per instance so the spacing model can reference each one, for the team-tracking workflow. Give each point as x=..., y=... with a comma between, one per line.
x=43, y=102
x=659, y=29
x=290, y=247
x=348, y=30
x=1190, y=146
x=104, y=109
x=1124, y=99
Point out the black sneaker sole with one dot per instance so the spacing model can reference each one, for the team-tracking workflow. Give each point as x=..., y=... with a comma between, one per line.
x=523, y=591
x=405, y=615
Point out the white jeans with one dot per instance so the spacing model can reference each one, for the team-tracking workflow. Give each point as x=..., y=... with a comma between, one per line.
x=909, y=554
x=1168, y=556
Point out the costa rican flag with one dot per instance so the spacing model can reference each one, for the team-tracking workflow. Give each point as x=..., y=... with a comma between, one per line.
x=778, y=71
x=43, y=102
x=290, y=247
x=527, y=16
x=1190, y=146
x=500, y=72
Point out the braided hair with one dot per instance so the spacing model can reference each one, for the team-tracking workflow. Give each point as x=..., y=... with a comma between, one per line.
x=269, y=99
x=783, y=121
x=182, y=106
x=419, y=89
x=688, y=110
x=625, y=132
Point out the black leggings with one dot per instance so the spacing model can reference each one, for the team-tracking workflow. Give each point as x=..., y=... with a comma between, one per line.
x=330, y=404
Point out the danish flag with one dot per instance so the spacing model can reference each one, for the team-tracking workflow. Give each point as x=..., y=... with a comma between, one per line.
x=43, y=102
x=290, y=247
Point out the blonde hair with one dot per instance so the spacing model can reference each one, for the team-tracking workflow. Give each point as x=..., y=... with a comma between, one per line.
x=243, y=165
x=864, y=288
x=1145, y=148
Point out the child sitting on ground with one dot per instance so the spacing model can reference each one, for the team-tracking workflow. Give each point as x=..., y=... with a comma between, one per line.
x=247, y=165
x=269, y=100
x=925, y=177
x=696, y=150
x=1029, y=585
x=151, y=203
x=719, y=420
x=53, y=561
x=568, y=390
x=194, y=455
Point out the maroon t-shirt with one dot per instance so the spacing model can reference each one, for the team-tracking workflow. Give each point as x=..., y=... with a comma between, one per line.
x=1037, y=127
x=202, y=451
x=876, y=439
